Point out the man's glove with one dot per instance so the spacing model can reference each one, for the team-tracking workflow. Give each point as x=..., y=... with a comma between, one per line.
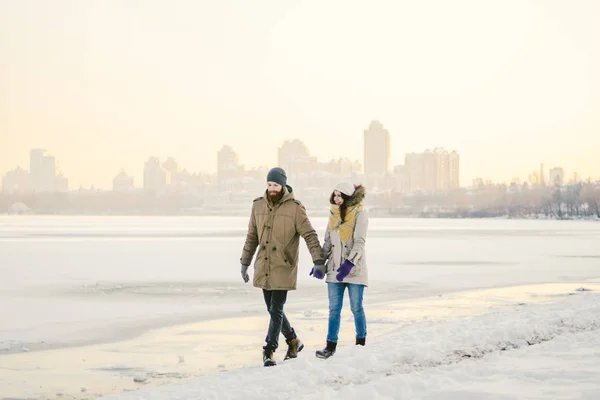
x=319, y=271
x=245, y=275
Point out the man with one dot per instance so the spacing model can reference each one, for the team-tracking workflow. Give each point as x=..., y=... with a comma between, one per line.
x=276, y=224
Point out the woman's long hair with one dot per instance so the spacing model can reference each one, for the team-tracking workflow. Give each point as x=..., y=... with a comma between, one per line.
x=344, y=205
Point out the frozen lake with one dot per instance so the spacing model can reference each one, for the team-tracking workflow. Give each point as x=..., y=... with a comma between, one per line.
x=75, y=280
x=110, y=299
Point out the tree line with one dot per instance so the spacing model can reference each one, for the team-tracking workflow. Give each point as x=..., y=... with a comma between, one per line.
x=579, y=200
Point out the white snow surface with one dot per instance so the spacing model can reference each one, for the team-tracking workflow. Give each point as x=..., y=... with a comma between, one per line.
x=75, y=281
x=540, y=351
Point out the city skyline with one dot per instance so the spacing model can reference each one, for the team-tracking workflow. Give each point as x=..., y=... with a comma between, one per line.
x=432, y=169
x=137, y=172
x=104, y=99
x=426, y=185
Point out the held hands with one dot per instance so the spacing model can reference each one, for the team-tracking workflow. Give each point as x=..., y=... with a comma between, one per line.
x=319, y=270
x=245, y=275
x=344, y=270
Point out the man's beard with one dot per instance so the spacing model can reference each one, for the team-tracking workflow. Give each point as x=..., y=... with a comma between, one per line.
x=275, y=196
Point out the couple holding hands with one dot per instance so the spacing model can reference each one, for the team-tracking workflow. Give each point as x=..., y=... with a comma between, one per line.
x=277, y=222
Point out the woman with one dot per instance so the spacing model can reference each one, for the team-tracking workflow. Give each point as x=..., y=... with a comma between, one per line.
x=344, y=249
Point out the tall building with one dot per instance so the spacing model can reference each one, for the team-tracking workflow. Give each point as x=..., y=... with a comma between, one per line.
x=155, y=177
x=398, y=179
x=542, y=175
x=228, y=166
x=122, y=182
x=534, y=178
x=454, y=169
x=557, y=176
x=431, y=166
x=414, y=172
x=172, y=168
x=341, y=166
x=293, y=156
x=431, y=170
x=16, y=181
x=42, y=169
x=35, y=167
x=61, y=184
x=376, y=149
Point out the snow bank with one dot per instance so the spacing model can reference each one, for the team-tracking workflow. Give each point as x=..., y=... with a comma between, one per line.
x=420, y=360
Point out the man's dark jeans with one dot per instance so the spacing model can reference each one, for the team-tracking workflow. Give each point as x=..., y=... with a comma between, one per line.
x=275, y=300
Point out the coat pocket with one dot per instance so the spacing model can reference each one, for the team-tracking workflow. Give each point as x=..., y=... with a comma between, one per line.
x=354, y=272
x=287, y=257
x=348, y=248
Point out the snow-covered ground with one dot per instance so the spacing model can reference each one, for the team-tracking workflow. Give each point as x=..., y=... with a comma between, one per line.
x=549, y=351
x=116, y=298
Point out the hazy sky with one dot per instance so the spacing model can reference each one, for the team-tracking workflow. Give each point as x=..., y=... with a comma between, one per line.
x=105, y=84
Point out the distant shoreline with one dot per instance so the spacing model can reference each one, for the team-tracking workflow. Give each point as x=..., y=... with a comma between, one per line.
x=374, y=213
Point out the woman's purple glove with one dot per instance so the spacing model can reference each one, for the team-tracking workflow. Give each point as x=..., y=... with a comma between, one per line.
x=344, y=270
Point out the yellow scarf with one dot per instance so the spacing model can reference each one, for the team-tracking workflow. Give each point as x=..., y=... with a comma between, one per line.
x=346, y=228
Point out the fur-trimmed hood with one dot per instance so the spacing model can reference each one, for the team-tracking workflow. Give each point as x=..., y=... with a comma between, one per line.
x=356, y=198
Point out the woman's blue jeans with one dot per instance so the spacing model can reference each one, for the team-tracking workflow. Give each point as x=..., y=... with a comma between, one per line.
x=336, y=300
